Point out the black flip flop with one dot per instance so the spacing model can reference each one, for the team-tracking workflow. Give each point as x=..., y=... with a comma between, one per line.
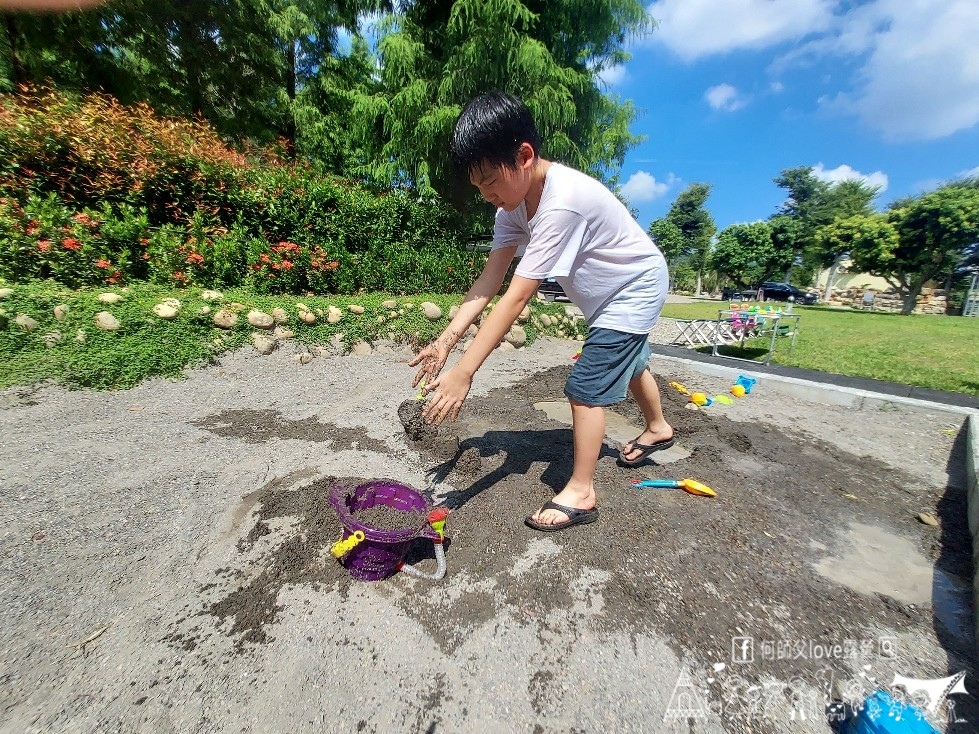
x=647, y=450
x=575, y=517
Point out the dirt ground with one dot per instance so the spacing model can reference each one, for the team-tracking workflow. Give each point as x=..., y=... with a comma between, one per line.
x=166, y=565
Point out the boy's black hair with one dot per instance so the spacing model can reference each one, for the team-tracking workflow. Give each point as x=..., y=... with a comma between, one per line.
x=491, y=128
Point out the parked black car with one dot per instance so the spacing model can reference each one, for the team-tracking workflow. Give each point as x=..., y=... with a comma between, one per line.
x=783, y=291
x=550, y=290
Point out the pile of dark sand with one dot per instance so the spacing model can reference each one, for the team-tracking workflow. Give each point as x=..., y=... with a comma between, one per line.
x=410, y=413
x=383, y=517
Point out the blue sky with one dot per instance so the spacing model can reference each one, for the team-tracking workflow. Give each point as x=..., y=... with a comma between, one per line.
x=730, y=92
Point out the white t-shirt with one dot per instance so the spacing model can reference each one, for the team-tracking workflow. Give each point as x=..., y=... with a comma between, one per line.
x=585, y=238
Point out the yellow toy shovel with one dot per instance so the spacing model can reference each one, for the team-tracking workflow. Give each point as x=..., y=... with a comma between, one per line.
x=687, y=485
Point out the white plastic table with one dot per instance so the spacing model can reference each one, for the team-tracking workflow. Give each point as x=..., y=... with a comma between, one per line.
x=773, y=320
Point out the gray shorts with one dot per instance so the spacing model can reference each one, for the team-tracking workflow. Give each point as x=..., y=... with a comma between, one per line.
x=609, y=361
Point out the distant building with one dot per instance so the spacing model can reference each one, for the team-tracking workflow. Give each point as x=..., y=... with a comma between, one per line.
x=845, y=279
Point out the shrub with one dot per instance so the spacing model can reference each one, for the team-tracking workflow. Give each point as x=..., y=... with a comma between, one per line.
x=94, y=192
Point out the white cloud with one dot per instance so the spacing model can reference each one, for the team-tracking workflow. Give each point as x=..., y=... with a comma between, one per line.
x=846, y=173
x=776, y=87
x=921, y=78
x=724, y=97
x=642, y=186
x=613, y=75
x=695, y=28
x=915, y=62
x=969, y=173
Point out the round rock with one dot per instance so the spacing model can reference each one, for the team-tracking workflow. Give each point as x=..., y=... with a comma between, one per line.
x=25, y=322
x=517, y=336
x=260, y=319
x=225, y=319
x=431, y=310
x=165, y=311
x=108, y=322
x=109, y=298
x=263, y=343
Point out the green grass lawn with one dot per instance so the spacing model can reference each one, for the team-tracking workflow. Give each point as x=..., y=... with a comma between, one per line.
x=940, y=352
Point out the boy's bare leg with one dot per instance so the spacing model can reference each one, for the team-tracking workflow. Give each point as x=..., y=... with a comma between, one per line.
x=646, y=392
x=588, y=424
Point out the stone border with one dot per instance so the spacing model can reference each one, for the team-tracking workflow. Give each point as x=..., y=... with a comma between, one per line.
x=853, y=398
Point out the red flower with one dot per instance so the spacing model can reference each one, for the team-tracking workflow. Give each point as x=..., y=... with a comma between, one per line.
x=179, y=276
x=287, y=265
x=32, y=228
x=332, y=265
x=83, y=218
x=104, y=264
x=44, y=245
x=144, y=241
x=195, y=258
x=264, y=258
x=70, y=243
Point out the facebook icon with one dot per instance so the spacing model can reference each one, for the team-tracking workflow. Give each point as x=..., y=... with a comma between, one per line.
x=742, y=649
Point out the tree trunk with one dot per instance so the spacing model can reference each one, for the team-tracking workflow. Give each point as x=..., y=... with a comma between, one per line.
x=291, y=92
x=16, y=62
x=698, y=283
x=832, y=277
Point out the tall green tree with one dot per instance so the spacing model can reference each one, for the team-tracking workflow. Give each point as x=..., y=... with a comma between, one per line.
x=316, y=78
x=920, y=239
x=746, y=253
x=668, y=238
x=812, y=203
x=696, y=226
x=437, y=54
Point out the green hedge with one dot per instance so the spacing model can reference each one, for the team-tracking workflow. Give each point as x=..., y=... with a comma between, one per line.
x=96, y=193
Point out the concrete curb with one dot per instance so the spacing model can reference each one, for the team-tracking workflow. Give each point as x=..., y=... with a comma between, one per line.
x=864, y=399
x=971, y=462
x=818, y=392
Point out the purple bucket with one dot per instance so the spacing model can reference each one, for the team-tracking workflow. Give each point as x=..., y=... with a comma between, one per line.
x=381, y=552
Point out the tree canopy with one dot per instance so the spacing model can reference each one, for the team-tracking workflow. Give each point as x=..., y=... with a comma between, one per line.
x=435, y=56
x=747, y=254
x=917, y=240
x=696, y=226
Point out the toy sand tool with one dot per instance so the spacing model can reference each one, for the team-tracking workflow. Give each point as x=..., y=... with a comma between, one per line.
x=371, y=553
x=687, y=485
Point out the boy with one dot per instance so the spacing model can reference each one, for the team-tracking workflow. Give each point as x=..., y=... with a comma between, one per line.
x=569, y=226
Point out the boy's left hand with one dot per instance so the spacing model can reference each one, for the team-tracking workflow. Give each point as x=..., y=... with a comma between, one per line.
x=451, y=390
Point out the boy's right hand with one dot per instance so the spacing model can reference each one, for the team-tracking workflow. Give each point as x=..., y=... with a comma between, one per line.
x=432, y=359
